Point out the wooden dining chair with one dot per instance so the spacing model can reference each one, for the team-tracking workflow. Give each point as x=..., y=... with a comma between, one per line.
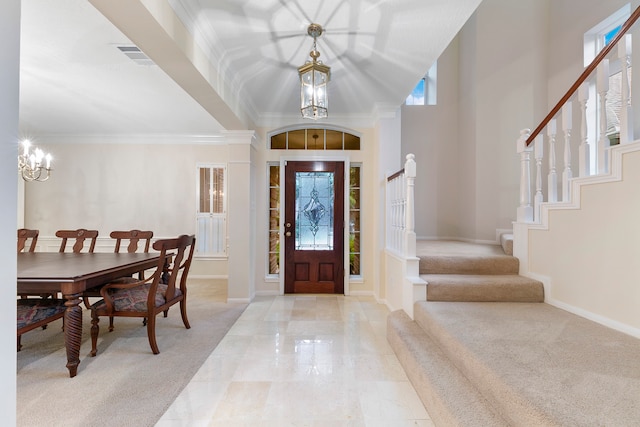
x=147, y=298
x=33, y=313
x=78, y=237
x=24, y=234
x=134, y=237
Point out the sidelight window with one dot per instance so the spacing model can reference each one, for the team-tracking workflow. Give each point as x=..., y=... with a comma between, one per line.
x=274, y=219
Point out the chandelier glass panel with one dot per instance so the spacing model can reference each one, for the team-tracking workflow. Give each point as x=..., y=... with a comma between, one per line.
x=314, y=77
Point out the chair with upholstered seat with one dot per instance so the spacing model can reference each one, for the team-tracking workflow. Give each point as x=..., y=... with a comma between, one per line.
x=134, y=237
x=131, y=297
x=78, y=237
x=24, y=234
x=33, y=313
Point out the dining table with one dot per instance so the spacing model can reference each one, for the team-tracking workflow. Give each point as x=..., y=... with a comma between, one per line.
x=71, y=274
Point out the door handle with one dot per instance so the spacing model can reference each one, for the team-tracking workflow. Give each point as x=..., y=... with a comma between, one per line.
x=288, y=234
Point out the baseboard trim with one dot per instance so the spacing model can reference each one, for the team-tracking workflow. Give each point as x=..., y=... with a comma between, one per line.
x=360, y=294
x=605, y=321
x=271, y=293
x=239, y=300
x=209, y=276
x=459, y=239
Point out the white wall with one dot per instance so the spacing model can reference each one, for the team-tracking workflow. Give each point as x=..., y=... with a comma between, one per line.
x=431, y=132
x=9, y=84
x=492, y=72
x=588, y=257
x=114, y=185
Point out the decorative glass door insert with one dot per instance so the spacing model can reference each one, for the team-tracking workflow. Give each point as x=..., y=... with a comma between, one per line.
x=314, y=210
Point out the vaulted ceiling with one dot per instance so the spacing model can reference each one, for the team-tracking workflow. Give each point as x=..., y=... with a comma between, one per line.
x=219, y=64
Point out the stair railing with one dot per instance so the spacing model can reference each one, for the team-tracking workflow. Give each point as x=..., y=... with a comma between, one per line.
x=595, y=80
x=400, y=217
x=403, y=284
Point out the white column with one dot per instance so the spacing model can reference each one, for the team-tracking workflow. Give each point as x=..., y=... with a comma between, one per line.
x=603, y=141
x=241, y=216
x=626, y=112
x=525, y=210
x=567, y=174
x=389, y=160
x=9, y=84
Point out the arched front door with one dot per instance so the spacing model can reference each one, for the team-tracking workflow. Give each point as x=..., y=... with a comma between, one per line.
x=314, y=227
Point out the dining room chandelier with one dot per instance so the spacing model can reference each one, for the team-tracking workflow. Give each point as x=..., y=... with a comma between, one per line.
x=314, y=77
x=33, y=163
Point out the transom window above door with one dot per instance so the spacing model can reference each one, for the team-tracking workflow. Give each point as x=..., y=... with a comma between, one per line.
x=314, y=139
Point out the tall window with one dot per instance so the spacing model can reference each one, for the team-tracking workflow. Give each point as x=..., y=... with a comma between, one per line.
x=274, y=219
x=425, y=92
x=594, y=41
x=601, y=35
x=211, y=211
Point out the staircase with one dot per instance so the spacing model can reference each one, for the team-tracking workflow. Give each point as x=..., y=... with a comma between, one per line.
x=458, y=271
x=484, y=350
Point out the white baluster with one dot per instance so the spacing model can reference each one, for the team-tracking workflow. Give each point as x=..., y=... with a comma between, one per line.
x=525, y=210
x=626, y=112
x=552, y=179
x=566, y=173
x=538, y=199
x=409, y=233
x=584, y=150
x=603, y=141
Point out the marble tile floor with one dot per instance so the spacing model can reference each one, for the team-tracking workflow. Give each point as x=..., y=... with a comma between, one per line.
x=304, y=360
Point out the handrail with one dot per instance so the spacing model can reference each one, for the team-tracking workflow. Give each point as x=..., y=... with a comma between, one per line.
x=395, y=175
x=596, y=61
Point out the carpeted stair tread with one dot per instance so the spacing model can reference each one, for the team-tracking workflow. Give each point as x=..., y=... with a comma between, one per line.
x=539, y=365
x=448, y=396
x=483, y=288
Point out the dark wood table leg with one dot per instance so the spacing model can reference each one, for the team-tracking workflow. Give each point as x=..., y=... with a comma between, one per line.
x=73, y=332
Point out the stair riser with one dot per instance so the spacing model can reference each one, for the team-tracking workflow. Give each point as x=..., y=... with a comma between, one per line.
x=466, y=265
x=485, y=293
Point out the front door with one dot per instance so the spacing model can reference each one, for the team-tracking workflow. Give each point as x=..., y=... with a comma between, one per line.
x=314, y=227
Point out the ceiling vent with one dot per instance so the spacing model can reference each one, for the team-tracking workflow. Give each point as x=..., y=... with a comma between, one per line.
x=136, y=55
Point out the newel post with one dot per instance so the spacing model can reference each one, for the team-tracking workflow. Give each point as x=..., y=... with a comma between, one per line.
x=525, y=210
x=409, y=232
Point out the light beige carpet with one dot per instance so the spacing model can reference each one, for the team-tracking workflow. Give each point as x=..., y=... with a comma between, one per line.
x=125, y=384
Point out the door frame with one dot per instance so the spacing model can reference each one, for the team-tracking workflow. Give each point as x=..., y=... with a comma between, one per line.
x=305, y=157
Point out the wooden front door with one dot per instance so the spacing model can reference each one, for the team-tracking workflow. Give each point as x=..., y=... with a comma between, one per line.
x=314, y=227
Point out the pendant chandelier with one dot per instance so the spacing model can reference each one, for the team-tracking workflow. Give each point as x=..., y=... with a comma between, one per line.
x=34, y=165
x=314, y=77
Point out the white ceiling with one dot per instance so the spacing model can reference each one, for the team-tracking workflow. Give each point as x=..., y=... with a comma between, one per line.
x=221, y=64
